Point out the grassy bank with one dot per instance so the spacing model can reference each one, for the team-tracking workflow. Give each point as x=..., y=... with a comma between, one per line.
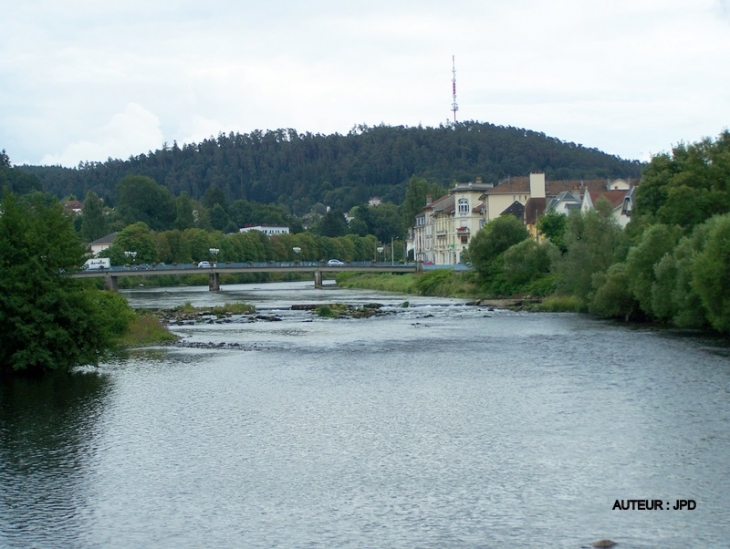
x=146, y=328
x=437, y=283
x=459, y=284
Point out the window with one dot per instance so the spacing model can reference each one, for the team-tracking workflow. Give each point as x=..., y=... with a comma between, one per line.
x=463, y=206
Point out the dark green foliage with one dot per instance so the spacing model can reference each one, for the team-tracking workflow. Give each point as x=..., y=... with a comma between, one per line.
x=711, y=277
x=299, y=169
x=613, y=297
x=92, y=220
x=15, y=180
x=214, y=196
x=428, y=283
x=218, y=218
x=386, y=222
x=525, y=263
x=244, y=213
x=688, y=186
x=185, y=219
x=487, y=246
x=48, y=321
x=553, y=226
x=593, y=243
x=134, y=238
x=418, y=193
x=331, y=224
x=674, y=297
x=140, y=198
x=658, y=241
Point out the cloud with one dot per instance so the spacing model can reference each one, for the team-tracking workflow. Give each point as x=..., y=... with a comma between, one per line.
x=199, y=128
x=128, y=133
x=187, y=71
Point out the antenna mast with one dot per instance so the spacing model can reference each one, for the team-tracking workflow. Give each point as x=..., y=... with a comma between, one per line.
x=454, y=106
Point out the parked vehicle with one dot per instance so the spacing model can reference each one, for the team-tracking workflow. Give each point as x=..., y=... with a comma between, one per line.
x=97, y=264
x=335, y=263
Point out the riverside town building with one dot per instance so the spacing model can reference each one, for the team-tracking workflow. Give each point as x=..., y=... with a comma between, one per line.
x=444, y=228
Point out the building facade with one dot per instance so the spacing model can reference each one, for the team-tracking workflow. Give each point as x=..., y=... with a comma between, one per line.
x=444, y=228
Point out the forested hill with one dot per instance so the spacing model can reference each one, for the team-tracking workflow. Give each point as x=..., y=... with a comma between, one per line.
x=301, y=169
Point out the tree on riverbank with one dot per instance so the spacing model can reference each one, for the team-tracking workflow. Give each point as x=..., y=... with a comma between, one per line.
x=49, y=321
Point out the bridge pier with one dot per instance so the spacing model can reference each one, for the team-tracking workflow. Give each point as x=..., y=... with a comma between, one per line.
x=214, y=282
x=111, y=283
x=317, y=280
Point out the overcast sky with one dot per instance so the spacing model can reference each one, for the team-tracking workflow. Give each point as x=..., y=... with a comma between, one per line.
x=85, y=80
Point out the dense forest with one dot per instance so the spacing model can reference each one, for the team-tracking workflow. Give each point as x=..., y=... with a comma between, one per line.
x=298, y=170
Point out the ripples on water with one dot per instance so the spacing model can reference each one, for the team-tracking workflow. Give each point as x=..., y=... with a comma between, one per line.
x=436, y=426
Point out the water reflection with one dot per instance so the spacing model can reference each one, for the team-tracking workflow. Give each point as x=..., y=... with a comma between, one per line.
x=47, y=443
x=436, y=425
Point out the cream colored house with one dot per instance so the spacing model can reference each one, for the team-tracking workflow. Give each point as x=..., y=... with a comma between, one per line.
x=98, y=246
x=619, y=200
x=445, y=227
x=501, y=197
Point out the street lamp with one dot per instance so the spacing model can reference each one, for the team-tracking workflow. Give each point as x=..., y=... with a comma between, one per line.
x=392, y=251
x=380, y=251
x=133, y=255
x=297, y=250
x=214, y=253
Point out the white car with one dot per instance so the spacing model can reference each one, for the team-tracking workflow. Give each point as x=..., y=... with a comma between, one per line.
x=335, y=263
x=204, y=265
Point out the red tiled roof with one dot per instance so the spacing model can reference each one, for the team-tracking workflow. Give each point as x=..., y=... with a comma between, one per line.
x=616, y=198
x=513, y=185
x=517, y=185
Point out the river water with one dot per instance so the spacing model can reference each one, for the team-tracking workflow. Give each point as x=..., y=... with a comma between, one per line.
x=439, y=425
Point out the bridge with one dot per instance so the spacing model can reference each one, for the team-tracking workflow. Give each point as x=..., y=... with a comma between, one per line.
x=111, y=275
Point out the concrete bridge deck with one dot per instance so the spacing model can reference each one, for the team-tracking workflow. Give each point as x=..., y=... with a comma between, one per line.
x=112, y=275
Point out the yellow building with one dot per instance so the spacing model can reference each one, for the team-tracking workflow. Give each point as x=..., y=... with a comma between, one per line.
x=445, y=227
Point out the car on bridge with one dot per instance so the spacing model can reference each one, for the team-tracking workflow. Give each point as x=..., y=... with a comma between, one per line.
x=335, y=263
x=204, y=265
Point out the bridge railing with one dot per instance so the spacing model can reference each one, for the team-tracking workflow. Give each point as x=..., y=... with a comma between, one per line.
x=192, y=268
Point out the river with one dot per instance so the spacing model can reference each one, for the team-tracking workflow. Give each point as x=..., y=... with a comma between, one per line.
x=437, y=425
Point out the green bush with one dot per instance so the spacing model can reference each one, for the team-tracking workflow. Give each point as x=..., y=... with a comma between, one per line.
x=613, y=297
x=711, y=278
x=430, y=282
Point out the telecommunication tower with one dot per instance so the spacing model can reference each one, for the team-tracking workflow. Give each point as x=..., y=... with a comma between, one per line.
x=454, y=106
